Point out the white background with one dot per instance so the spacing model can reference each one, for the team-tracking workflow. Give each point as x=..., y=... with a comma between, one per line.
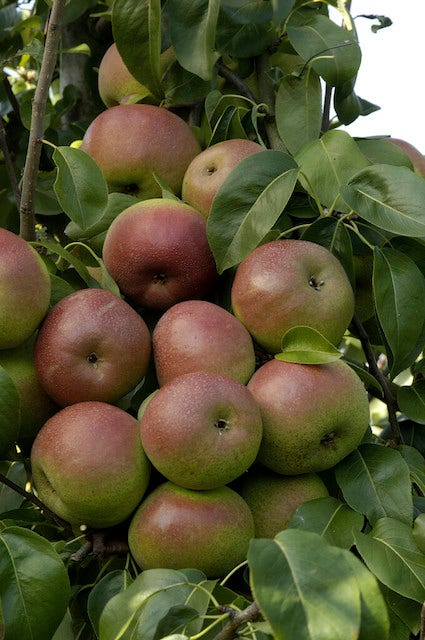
x=392, y=72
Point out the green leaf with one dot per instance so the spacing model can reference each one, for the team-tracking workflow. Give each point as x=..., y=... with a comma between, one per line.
x=375, y=621
x=411, y=401
x=330, y=518
x=143, y=604
x=79, y=186
x=10, y=499
x=192, y=26
x=9, y=412
x=399, y=292
x=34, y=585
x=391, y=554
x=405, y=614
x=390, y=197
x=332, y=50
x=299, y=109
x=136, y=26
x=248, y=203
x=306, y=345
x=327, y=164
x=304, y=587
x=416, y=463
x=244, y=29
x=112, y=583
x=375, y=481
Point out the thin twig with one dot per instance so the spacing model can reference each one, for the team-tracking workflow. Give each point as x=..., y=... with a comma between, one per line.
x=242, y=88
x=388, y=396
x=236, y=619
x=9, y=164
x=29, y=181
x=32, y=498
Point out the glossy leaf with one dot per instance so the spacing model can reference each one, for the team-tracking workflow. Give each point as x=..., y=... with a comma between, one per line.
x=391, y=553
x=304, y=587
x=244, y=28
x=330, y=49
x=375, y=481
x=34, y=585
x=192, y=26
x=416, y=463
x=306, y=345
x=9, y=412
x=139, y=21
x=79, y=186
x=404, y=614
x=248, y=204
x=140, y=608
x=399, y=292
x=389, y=197
x=299, y=109
x=327, y=164
x=10, y=499
x=411, y=401
x=112, y=583
x=330, y=518
x=375, y=622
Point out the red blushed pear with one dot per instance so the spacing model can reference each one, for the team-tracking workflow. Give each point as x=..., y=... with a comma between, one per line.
x=199, y=335
x=158, y=253
x=131, y=142
x=178, y=528
x=92, y=345
x=416, y=157
x=286, y=283
x=116, y=84
x=88, y=465
x=201, y=430
x=209, y=169
x=274, y=498
x=24, y=290
x=313, y=415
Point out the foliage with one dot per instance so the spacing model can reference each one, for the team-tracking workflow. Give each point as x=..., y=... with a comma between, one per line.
x=348, y=566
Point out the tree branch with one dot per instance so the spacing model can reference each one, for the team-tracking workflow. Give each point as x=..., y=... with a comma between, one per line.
x=267, y=95
x=9, y=164
x=32, y=498
x=388, y=396
x=238, y=618
x=29, y=181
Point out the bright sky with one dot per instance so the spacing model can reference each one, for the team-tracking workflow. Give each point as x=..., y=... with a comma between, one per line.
x=392, y=71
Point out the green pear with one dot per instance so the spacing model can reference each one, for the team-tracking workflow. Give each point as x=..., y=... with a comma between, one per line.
x=92, y=345
x=24, y=290
x=209, y=169
x=286, y=283
x=177, y=528
x=201, y=430
x=274, y=498
x=157, y=251
x=313, y=415
x=36, y=406
x=132, y=142
x=199, y=335
x=88, y=464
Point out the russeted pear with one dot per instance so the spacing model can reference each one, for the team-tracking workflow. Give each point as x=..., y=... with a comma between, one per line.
x=158, y=253
x=88, y=464
x=313, y=415
x=132, y=142
x=24, y=290
x=92, y=345
x=201, y=430
x=209, y=169
x=178, y=528
x=287, y=283
x=273, y=498
x=199, y=335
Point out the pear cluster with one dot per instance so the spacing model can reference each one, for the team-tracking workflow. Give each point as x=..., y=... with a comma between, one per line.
x=168, y=408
